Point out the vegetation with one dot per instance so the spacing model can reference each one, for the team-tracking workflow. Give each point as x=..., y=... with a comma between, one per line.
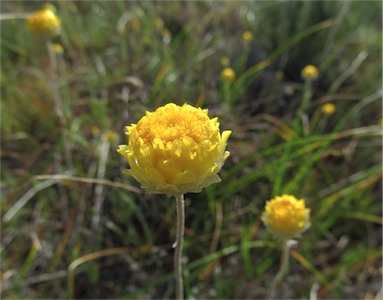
x=74, y=226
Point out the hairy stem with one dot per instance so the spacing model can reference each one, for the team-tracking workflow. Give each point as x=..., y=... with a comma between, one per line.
x=278, y=279
x=178, y=246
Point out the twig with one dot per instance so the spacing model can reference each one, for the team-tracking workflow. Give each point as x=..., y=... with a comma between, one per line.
x=26, y=197
x=60, y=177
x=218, y=228
x=104, y=153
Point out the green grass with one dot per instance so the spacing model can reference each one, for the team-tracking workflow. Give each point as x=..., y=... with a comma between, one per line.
x=73, y=224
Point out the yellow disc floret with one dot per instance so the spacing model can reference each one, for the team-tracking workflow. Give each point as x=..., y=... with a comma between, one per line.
x=286, y=217
x=44, y=23
x=175, y=150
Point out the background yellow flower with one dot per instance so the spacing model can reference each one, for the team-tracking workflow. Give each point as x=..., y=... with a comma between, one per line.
x=328, y=108
x=286, y=217
x=247, y=36
x=228, y=74
x=175, y=150
x=44, y=23
x=310, y=72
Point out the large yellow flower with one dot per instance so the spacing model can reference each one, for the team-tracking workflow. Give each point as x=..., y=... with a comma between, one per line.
x=175, y=150
x=44, y=23
x=286, y=217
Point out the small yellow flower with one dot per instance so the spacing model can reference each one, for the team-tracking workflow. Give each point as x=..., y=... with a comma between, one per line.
x=310, y=72
x=247, y=36
x=166, y=33
x=95, y=130
x=58, y=48
x=112, y=136
x=328, y=109
x=228, y=75
x=44, y=23
x=279, y=75
x=158, y=23
x=146, y=40
x=175, y=150
x=286, y=217
x=225, y=61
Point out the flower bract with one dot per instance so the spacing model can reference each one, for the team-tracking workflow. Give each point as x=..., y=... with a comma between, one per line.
x=286, y=217
x=175, y=150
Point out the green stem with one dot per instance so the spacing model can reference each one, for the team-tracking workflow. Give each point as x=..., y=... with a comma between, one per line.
x=58, y=104
x=283, y=268
x=307, y=94
x=178, y=246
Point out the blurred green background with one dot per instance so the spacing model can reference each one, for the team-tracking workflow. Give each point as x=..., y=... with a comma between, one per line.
x=72, y=224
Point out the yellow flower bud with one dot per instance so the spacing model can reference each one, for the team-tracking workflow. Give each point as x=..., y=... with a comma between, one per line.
x=95, y=130
x=158, y=22
x=175, y=150
x=286, y=217
x=247, y=36
x=310, y=72
x=166, y=33
x=44, y=23
x=328, y=108
x=228, y=75
x=57, y=48
x=279, y=74
x=225, y=61
x=112, y=136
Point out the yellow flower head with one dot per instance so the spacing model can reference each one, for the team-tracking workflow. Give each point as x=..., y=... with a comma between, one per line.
x=286, y=217
x=328, y=108
x=44, y=23
x=175, y=150
x=228, y=74
x=247, y=36
x=310, y=72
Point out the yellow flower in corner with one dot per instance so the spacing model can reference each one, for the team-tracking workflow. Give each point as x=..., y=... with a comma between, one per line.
x=175, y=150
x=286, y=217
x=310, y=72
x=44, y=23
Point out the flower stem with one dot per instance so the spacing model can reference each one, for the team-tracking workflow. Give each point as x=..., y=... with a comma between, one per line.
x=278, y=279
x=178, y=246
x=58, y=105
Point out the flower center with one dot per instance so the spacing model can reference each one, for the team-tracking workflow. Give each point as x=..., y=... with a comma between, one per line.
x=173, y=124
